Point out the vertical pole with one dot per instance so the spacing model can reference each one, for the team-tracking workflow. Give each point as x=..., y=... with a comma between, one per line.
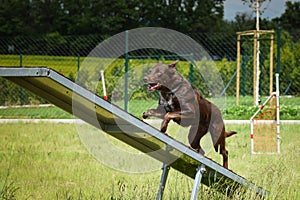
x=200, y=171
x=126, y=72
x=78, y=66
x=277, y=113
x=257, y=15
x=163, y=180
x=191, y=73
x=252, y=135
x=21, y=60
x=277, y=86
x=278, y=47
x=244, y=62
x=103, y=85
x=271, y=62
x=257, y=98
x=254, y=67
x=21, y=90
x=228, y=83
x=238, y=66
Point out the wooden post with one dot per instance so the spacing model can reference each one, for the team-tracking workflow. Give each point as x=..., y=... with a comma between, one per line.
x=254, y=67
x=238, y=66
x=271, y=62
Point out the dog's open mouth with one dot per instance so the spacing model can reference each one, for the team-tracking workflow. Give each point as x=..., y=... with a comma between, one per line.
x=153, y=86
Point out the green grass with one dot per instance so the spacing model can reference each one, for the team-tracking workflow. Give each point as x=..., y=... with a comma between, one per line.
x=63, y=64
x=289, y=109
x=48, y=161
x=52, y=112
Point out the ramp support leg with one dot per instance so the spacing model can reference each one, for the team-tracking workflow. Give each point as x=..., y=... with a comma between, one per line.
x=200, y=171
x=163, y=180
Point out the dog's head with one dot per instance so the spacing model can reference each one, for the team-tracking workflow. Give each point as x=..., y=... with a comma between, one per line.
x=162, y=77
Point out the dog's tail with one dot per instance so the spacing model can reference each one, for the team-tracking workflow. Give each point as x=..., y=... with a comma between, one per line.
x=230, y=133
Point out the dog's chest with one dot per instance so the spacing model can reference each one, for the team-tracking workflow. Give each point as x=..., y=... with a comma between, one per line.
x=168, y=100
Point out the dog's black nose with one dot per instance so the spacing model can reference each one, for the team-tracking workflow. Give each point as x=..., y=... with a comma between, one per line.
x=145, y=79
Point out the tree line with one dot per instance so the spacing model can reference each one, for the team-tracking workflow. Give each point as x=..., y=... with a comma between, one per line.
x=106, y=18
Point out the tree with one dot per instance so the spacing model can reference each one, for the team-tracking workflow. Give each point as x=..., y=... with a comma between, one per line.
x=196, y=16
x=244, y=21
x=40, y=17
x=290, y=19
x=14, y=17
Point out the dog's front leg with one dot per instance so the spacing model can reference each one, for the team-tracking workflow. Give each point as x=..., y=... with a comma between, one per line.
x=177, y=116
x=167, y=118
x=152, y=113
x=159, y=112
x=164, y=124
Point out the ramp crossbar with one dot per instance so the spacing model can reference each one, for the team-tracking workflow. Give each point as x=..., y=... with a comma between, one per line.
x=100, y=113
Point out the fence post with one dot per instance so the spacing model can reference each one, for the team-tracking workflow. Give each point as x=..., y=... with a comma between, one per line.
x=271, y=63
x=278, y=47
x=78, y=66
x=126, y=72
x=191, y=73
x=228, y=83
x=21, y=90
x=255, y=88
x=245, y=60
x=238, y=70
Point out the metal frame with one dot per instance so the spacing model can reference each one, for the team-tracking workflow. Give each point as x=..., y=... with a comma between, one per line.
x=93, y=109
x=200, y=172
x=163, y=181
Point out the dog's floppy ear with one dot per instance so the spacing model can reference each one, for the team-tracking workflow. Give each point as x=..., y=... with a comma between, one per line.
x=173, y=65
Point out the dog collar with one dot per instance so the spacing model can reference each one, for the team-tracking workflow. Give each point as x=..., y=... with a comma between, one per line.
x=174, y=90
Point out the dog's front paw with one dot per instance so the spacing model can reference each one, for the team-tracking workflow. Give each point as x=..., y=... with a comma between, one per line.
x=200, y=151
x=163, y=129
x=145, y=115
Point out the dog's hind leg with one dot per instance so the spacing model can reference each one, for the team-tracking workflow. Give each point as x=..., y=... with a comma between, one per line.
x=194, y=137
x=223, y=150
x=225, y=158
x=218, y=134
x=224, y=153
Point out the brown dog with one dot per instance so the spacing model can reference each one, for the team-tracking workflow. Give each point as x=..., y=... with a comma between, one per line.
x=183, y=104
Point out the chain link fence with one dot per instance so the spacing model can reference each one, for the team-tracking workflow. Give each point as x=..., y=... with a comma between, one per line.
x=68, y=54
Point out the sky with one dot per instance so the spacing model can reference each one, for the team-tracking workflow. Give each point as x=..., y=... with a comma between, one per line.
x=272, y=9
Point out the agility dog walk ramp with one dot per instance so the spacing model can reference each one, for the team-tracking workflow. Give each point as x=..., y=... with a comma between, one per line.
x=100, y=113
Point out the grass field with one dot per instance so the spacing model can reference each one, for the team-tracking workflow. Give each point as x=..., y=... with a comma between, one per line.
x=48, y=161
x=289, y=109
x=51, y=112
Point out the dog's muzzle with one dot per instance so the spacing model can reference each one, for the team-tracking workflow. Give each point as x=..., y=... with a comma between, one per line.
x=153, y=86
